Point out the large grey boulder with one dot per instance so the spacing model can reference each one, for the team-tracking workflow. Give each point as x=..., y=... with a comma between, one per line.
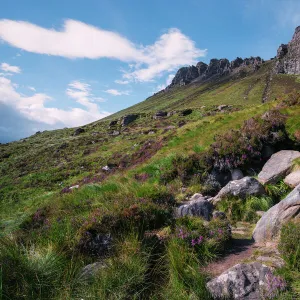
x=243, y=281
x=268, y=227
x=293, y=179
x=128, y=119
x=198, y=206
x=278, y=166
x=247, y=186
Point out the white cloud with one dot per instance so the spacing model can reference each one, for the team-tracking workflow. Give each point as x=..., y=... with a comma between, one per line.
x=116, y=92
x=80, y=40
x=8, y=68
x=34, y=109
x=122, y=81
x=32, y=88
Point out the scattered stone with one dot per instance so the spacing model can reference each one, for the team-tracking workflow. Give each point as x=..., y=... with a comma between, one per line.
x=78, y=131
x=151, y=132
x=278, y=166
x=114, y=133
x=106, y=168
x=197, y=206
x=113, y=123
x=293, y=179
x=126, y=120
x=247, y=186
x=268, y=227
x=159, y=115
x=74, y=187
x=222, y=107
x=242, y=282
x=185, y=112
x=236, y=174
x=171, y=113
x=89, y=272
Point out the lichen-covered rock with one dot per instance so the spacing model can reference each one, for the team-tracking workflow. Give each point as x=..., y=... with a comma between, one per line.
x=159, y=115
x=268, y=227
x=242, y=282
x=185, y=75
x=278, y=166
x=293, y=179
x=247, y=186
x=198, y=206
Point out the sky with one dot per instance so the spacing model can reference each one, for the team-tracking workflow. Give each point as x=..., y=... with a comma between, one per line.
x=67, y=63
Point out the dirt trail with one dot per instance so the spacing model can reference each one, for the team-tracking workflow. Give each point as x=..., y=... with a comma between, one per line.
x=240, y=249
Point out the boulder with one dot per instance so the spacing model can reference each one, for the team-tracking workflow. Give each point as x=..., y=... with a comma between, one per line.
x=185, y=112
x=159, y=115
x=78, y=131
x=181, y=123
x=114, y=133
x=247, y=186
x=113, y=123
x=126, y=120
x=89, y=272
x=197, y=206
x=278, y=166
x=236, y=174
x=222, y=107
x=268, y=227
x=243, y=282
x=293, y=179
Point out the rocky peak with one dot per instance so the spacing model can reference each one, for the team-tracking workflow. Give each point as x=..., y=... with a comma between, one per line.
x=288, y=56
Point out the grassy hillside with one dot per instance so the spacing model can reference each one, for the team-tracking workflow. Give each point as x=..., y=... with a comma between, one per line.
x=46, y=228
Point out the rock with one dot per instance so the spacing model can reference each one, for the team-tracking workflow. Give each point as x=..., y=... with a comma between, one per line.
x=160, y=114
x=78, y=131
x=222, y=107
x=171, y=113
x=197, y=206
x=74, y=187
x=293, y=179
x=236, y=174
x=90, y=271
x=126, y=120
x=223, y=177
x=96, y=244
x=268, y=227
x=114, y=133
x=243, y=281
x=185, y=75
x=185, y=112
x=202, y=67
x=219, y=215
x=106, y=168
x=113, y=123
x=247, y=186
x=181, y=123
x=171, y=127
x=288, y=56
x=278, y=166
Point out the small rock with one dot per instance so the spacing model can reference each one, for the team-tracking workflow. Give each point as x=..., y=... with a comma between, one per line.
x=159, y=115
x=171, y=113
x=114, y=133
x=185, y=112
x=293, y=179
x=222, y=107
x=197, y=206
x=74, y=187
x=113, y=123
x=236, y=174
x=106, y=168
x=78, y=131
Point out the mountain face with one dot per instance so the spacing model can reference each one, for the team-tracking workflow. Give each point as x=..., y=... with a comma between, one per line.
x=287, y=62
x=288, y=56
x=215, y=69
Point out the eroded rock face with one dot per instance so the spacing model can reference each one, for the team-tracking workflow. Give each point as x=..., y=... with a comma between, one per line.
x=198, y=206
x=185, y=75
x=78, y=131
x=278, y=166
x=268, y=227
x=288, y=56
x=247, y=186
x=243, y=281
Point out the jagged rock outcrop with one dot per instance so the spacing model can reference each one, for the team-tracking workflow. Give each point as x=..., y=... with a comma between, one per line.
x=288, y=56
x=215, y=69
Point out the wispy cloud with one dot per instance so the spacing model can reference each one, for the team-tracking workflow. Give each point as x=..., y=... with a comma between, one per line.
x=80, y=40
x=8, y=68
x=164, y=85
x=117, y=92
x=32, y=88
x=122, y=81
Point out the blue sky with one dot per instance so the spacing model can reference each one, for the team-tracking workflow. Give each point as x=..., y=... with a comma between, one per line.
x=67, y=63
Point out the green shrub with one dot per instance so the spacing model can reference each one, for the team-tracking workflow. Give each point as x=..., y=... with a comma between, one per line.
x=289, y=244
